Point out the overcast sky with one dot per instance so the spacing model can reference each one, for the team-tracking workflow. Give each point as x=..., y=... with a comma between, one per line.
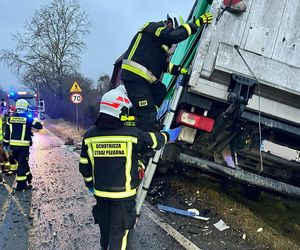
x=114, y=23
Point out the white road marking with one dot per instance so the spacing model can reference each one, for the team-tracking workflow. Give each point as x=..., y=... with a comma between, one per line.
x=186, y=243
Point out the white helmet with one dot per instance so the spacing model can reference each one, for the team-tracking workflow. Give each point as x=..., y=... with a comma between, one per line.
x=21, y=106
x=116, y=102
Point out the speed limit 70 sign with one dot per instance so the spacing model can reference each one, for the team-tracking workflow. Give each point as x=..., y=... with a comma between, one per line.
x=76, y=98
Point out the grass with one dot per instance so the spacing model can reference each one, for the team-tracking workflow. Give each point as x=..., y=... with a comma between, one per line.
x=279, y=218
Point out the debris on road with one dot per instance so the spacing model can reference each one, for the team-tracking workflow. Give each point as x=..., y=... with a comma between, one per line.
x=181, y=212
x=221, y=225
x=259, y=230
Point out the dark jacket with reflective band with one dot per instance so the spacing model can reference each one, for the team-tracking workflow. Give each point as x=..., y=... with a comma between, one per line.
x=146, y=47
x=109, y=159
x=18, y=131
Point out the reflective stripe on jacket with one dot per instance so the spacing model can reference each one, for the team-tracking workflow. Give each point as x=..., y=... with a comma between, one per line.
x=18, y=130
x=149, y=48
x=109, y=159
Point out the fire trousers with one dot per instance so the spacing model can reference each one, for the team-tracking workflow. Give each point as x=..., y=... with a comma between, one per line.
x=115, y=218
x=145, y=98
x=23, y=172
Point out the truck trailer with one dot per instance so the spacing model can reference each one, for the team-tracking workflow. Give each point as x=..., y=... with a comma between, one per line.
x=239, y=109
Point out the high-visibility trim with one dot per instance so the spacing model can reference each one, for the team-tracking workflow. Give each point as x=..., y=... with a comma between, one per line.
x=158, y=31
x=28, y=173
x=124, y=240
x=115, y=195
x=18, y=120
x=21, y=178
x=83, y=160
x=7, y=141
x=165, y=136
x=23, y=132
x=165, y=48
x=90, y=153
x=137, y=41
x=135, y=45
x=187, y=28
x=88, y=179
x=19, y=143
x=7, y=164
x=138, y=69
x=170, y=67
x=110, y=139
x=10, y=130
x=128, y=166
x=153, y=137
x=145, y=25
x=14, y=167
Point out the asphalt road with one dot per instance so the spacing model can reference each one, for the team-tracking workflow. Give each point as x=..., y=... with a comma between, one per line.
x=56, y=213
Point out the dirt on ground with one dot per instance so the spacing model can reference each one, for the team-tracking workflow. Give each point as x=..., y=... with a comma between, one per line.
x=272, y=222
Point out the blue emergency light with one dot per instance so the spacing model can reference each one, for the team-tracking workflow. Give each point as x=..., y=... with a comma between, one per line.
x=12, y=94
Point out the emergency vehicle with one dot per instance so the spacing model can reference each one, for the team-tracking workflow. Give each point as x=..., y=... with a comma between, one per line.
x=36, y=105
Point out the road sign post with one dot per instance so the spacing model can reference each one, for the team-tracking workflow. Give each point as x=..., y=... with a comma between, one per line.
x=76, y=98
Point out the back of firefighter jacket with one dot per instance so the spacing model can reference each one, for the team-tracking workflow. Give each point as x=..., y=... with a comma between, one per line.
x=18, y=131
x=150, y=46
x=109, y=159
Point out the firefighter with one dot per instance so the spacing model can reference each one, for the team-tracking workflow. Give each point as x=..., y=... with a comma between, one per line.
x=4, y=164
x=17, y=138
x=146, y=59
x=109, y=166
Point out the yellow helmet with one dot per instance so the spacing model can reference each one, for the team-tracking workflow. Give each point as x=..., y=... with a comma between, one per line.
x=21, y=105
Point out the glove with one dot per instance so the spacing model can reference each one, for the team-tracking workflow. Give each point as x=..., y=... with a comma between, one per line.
x=184, y=71
x=206, y=18
x=91, y=190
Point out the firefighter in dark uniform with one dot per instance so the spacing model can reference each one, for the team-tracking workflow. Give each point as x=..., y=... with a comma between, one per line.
x=146, y=59
x=109, y=165
x=17, y=137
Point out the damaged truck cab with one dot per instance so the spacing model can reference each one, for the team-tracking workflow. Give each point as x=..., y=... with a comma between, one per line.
x=239, y=110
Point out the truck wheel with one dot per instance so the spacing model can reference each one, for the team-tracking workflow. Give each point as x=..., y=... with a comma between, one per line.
x=252, y=193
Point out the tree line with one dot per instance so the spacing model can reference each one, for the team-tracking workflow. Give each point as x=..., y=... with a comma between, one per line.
x=47, y=57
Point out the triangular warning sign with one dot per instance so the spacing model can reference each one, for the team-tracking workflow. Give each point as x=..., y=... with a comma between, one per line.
x=75, y=88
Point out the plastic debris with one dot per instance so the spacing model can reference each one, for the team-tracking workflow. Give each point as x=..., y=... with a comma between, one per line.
x=221, y=225
x=194, y=210
x=259, y=230
x=181, y=212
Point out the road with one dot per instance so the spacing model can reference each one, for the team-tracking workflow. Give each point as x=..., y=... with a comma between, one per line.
x=56, y=213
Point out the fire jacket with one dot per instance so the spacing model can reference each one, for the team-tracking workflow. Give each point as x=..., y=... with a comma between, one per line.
x=109, y=159
x=147, y=54
x=18, y=131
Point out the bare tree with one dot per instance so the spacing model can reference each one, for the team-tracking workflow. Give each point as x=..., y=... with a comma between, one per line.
x=103, y=84
x=49, y=50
